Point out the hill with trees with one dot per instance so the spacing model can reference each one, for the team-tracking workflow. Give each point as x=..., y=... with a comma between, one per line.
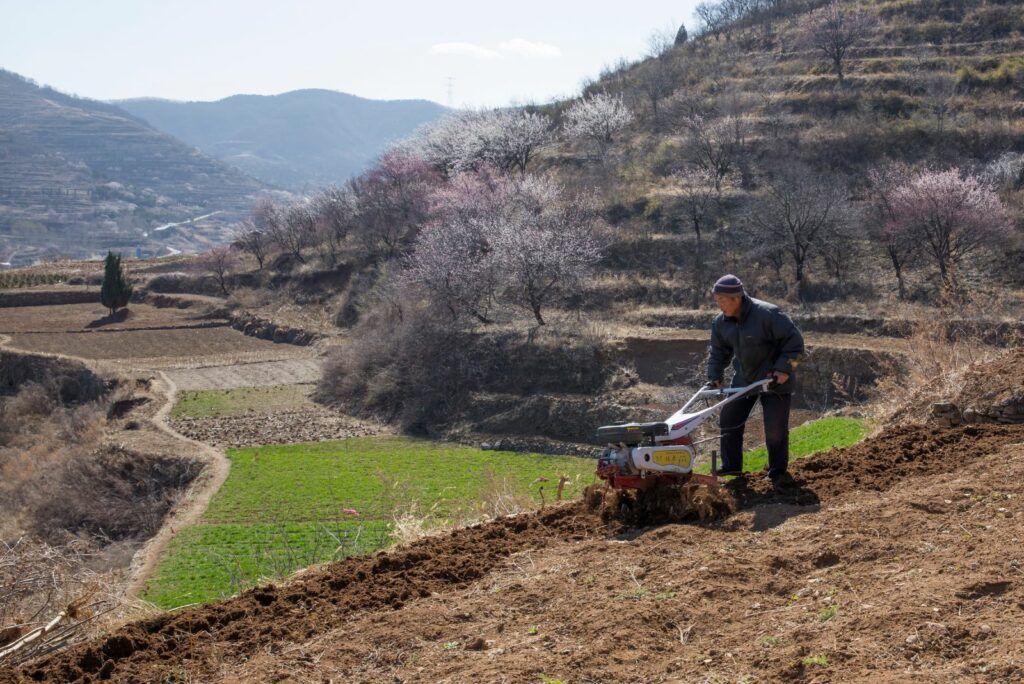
x=296, y=140
x=79, y=177
x=843, y=158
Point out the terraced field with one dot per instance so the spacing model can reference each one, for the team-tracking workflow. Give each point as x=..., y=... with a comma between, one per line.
x=288, y=507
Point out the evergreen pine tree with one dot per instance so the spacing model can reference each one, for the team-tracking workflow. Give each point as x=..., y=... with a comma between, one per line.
x=115, y=291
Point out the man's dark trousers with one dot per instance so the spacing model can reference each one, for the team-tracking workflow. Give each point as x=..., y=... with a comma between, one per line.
x=775, y=408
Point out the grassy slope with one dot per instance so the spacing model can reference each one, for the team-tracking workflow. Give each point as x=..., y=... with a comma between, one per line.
x=282, y=507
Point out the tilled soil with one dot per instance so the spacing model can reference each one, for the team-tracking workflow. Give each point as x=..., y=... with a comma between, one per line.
x=906, y=564
x=287, y=372
x=312, y=424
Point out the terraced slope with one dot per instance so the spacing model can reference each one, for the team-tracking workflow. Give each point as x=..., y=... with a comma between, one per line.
x=78, y=177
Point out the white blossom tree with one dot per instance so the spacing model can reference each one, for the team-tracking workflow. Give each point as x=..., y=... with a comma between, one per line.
x=513, y=239
x=511, y=138
x=504, y=138
x=597, y=118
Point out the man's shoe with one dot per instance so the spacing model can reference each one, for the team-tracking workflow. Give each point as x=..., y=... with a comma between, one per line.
x=729, y=472
x=782, y=481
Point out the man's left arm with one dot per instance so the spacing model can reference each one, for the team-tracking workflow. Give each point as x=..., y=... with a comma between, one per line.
x=789, y=343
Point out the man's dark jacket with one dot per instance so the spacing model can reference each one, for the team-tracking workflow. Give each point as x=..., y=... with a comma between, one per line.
x=760, y=340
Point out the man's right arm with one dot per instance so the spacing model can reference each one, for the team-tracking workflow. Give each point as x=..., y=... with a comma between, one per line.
x=719, y=355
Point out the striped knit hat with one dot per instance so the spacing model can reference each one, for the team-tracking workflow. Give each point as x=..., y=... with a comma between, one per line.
x=728, y=285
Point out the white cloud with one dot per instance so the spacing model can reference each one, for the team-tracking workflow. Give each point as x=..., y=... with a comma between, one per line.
x=463, y=50
x=526, y=48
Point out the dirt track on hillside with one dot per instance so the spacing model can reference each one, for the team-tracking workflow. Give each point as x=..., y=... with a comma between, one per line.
x=910, y=535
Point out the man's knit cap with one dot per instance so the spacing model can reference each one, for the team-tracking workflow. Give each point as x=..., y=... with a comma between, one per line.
x=728, y=285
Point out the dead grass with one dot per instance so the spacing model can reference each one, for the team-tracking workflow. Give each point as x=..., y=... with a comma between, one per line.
x=940, y=350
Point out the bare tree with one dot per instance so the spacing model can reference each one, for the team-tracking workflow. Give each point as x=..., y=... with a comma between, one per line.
x=713, y=18
x=597, y=118
x=252, y=241
x=220, y=262
x=952, y=214
x=334, y=209
x=296, y=232
x=699, y=197
x=289, y=229
x=657, y=78
x=832, y=32
x=797, y=211
x=900, y=245
x=716, y=146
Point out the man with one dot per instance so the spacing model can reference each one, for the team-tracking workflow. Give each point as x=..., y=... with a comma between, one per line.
x=761, y=342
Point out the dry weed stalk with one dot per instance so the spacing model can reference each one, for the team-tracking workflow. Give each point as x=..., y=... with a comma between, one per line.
x=49, y=599
x=500, y=498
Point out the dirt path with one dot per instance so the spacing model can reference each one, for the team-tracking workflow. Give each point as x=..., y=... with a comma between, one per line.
x=192, y=505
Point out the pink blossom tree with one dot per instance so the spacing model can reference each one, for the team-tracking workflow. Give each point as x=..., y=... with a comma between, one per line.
x=952, y=215
x=832, y=32
x=453, y=260
x=545, y=244
x=392, y=200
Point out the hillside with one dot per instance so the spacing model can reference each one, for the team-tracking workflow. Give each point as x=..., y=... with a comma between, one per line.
x=296, y=140
x=872, y=584
x=79, y=177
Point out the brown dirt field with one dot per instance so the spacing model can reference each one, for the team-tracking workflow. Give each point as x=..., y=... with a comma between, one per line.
x=910, y=567
x=290, y=372
x=310, y=424
x=159, y=348
x=93, y=317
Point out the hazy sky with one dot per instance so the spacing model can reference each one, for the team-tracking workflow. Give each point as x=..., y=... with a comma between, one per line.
x=496, y=53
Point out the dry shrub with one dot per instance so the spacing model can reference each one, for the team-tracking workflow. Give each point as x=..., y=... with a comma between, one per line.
x=112, y=494
x=405, y=366
x=939, y=351
x=413, y=366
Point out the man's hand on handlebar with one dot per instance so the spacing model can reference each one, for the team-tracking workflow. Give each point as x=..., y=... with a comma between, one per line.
x=715, y=384
x=779, y=378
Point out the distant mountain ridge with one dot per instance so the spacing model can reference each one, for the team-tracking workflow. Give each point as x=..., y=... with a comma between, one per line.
x=296, y=140
x=78, y=177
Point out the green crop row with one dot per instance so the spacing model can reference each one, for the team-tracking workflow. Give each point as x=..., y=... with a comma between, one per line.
x=10, y=280
x=287, y=507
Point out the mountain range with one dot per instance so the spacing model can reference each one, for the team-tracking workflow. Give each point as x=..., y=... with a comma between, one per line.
x=297, y=140
x=150, y=177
